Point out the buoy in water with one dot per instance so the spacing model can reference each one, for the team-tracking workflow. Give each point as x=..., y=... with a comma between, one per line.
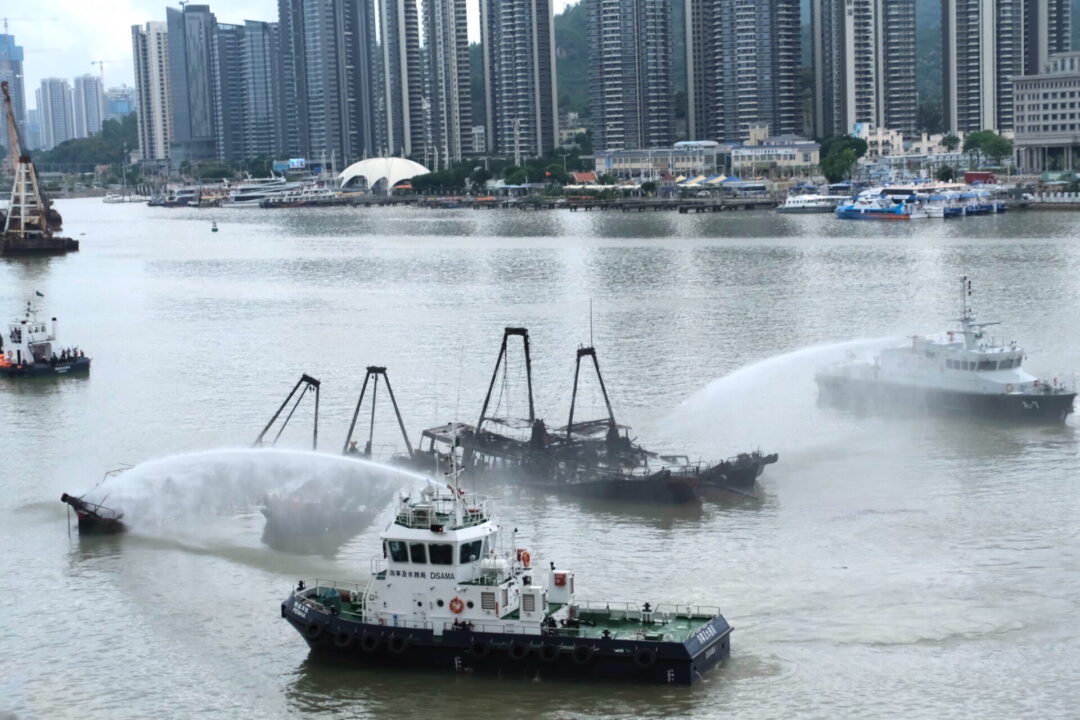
x=213, y=227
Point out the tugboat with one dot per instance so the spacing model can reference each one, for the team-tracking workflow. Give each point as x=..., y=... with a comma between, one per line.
x=451, y=591
x=29, y=349
x=961, y=371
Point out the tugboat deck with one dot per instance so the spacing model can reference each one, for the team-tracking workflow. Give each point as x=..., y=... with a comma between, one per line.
x=621, y=621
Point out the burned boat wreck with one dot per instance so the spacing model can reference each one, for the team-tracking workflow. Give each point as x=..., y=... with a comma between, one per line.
x=595, y=458
x=94, y=518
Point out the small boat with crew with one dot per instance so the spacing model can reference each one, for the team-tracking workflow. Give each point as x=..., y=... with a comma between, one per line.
x=960, y=371
x=29, y=349
x=809, y=203
x=453, y=590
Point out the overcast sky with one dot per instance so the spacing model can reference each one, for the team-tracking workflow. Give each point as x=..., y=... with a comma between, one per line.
x=61, y=38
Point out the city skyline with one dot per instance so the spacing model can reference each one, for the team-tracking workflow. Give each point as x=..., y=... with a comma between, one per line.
x=69, y=38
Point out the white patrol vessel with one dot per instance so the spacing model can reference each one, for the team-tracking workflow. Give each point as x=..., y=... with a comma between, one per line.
x=962, y=370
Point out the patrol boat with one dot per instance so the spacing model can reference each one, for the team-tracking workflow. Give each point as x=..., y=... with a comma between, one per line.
x=28, y=349
x=960, y=371
x=452, y=591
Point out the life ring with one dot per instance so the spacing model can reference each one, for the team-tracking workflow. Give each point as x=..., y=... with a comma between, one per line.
x=314, y=630
x=456, y=606
x=549, y=653
x=644, y=657
x=526, y=558
x=1008, y=388
x=582, y=654
x=518, y=651
x=480, y=648
x=397, y=644
x=342, y=639
x=369, y=642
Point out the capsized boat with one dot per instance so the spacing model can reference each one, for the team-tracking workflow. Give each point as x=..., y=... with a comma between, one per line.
x=452, y=591
x=94, y=518
x=963, y=370
x=29, y=349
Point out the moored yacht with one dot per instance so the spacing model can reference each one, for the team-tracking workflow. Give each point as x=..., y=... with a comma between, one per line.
x=804, y=204
x=452, y=590
x=962, y=370
x=253, y=191
x=876, y=204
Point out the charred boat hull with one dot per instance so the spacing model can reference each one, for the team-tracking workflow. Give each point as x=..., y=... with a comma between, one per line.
x=95, y=519
x=741, y=471
x=876, y=395
x=662, y=487
x=511, y=654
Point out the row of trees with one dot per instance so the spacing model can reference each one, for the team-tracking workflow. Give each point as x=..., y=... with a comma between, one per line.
x=840, y=153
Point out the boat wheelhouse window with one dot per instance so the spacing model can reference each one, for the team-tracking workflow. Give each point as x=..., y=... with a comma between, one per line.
x=987, y=365
x=951, y=364
x=418, y=552
x=1008, y=364
x=471, y=551
x=398, y=551
x=441, y=554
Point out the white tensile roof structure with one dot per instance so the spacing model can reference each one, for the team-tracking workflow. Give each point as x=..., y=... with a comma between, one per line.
x=389, y=170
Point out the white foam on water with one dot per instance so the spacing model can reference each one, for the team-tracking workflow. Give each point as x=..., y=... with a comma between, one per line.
x=167, y=495
x=770, y=404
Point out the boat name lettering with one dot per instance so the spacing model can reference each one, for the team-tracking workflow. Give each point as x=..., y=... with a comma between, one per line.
x=299, y=610
x=411, y=574
x=1033, y=405
x=442, y=576
x=705, y=634
x=710, y=652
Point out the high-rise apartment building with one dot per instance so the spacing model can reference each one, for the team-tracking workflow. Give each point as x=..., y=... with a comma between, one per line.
x=57, y=114
x=447, y=90
x=630, y=78
x=89, y=101
x=864, y=65
x=1047, y=31
x=326, y=99
x=119, y=101
x=150, y=50
x=192, y=32
x=259, y=51
x=518, y=38
x=11, y=72
x=987, y=43
x=743, y=59
x=399, y=89
x=229, y=114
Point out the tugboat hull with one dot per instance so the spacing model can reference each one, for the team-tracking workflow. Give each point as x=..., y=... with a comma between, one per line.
x=513, y=654
x=78, y=366
x=871, y=394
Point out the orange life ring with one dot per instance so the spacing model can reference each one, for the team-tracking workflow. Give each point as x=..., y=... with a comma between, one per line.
x=1008, y=388
x=456, y=605
x=526, y=558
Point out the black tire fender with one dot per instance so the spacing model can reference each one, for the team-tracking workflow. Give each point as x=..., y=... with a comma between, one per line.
x=369, y=642
x=313, y=631
x=644, y=657
x=343, y=639
x=397, y=644
x=549, y=653
x=518, y=651
x=583, y=654
x=480, y=648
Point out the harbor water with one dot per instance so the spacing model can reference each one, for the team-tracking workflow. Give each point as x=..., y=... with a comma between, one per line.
x=887, y=566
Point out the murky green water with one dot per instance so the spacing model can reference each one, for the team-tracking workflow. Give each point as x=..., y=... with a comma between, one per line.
x=915, y=567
